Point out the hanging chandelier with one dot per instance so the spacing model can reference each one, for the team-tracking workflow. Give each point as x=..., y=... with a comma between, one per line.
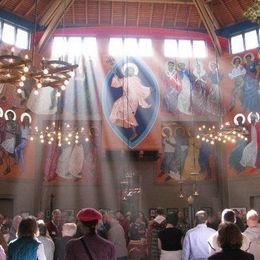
x=19, y=70
x=223, y=133
x=253, y=12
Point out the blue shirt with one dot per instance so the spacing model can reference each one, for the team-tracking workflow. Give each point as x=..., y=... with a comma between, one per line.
x=195, y=244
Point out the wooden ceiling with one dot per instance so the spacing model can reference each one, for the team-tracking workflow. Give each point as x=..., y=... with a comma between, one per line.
x=181, y=14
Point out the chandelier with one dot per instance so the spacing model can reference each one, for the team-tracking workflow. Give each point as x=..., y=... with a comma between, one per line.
x=65, y=135
x=223, y=133
x=129, y=185
x=253, y=12
x=19, y=70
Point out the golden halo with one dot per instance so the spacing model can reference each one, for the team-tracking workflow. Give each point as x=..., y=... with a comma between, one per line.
x=10, y=110
x=236, y=57
x=164, y=128
x=249, y=54
x=238, y=115
x=26, y=114
x=132, y=65
x=250, y=114
x=1, y=112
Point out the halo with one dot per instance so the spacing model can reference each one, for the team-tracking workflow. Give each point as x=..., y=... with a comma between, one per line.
x=213, y=62
x=164, y=128
x=10, y=110
x=26, y=114
x=250, y=114
x=238, y=115
x=249, y=54
x=130, y=64
x=1, y=112
x=236, y=57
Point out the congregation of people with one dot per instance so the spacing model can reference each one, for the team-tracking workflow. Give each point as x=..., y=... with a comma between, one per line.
x=109, y=235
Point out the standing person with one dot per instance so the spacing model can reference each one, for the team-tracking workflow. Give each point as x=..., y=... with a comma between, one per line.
x=91, y=246
x=26, y=246
x=8, y=145
x=25, y=132
x=45, y=240
x=116, y=235
x=170, y=239
x=55, y=225
x=195, y=244
x=172, y=86
x=134, y=95
x=237, y=74
x=169, y=144
x=155, y=226
x=253, y=233
x=14, y=227
x=251, y=97
x=68, y=232
x=230, y=240
x=227, y=216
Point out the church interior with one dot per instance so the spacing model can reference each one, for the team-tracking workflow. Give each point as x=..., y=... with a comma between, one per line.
x=129, y=105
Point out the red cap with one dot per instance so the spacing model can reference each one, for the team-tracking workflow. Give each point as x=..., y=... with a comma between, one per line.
x=88, y=214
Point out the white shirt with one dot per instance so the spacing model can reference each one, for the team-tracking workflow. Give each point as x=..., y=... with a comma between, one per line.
x=169, y=148
x=237, y=71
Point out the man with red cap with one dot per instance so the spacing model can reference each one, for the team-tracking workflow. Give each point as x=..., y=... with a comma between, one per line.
x=91, y=246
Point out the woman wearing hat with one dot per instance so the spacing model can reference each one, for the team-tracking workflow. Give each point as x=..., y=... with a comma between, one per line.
x=91, y=246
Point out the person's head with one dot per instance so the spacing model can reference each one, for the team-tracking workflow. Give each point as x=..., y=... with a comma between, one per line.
x=16, y=221
x=172, y=219
x=28, y=227
x=228, y=216
x=201, y=217
x=10, y=115
x=167, y=132
x=26, y=121
x=180, y=215
x=249, y=58
x=56, y=216
x=213, y=66
x=119, y=215
x=42, y=228
x=237, y=61
x=89, y=218
x=171, y=65
x=69, y=229
x=40, y=215
x=252, y=218
x=229, y=236
x=159, y=211
x=240, y=120
x=181, y=66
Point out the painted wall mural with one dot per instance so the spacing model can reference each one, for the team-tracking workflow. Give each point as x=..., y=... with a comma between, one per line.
x=183, y=155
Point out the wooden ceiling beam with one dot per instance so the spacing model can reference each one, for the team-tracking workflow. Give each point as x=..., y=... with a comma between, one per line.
x=59, y=13
x=151, y=15
x=125, y=13
x=30, y=10
x=183, y=2
x=212, y=17
x=99, y=12
x=112, y=13
x=18, y=5
x=163, y=16
x=73, y=14
x=176, y=16
x=200, y=5
x=229, y=13
x=3, y=2
x=48, y=16
x=188, y=17
x=138, y=15
x=86, y=11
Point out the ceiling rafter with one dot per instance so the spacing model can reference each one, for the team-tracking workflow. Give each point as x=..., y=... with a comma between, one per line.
x=48, y=16
x=99, y=12
x=138, y=15
x=163, y=16
x=20, y=3
x=211, y=16
x=58, y=14
x=188, y=17
x=125, y=12
x=86, y=11
x=30, y=10
x=73, y=14
x=200, y=5
x=112, y=13
x=240, y=6
x=151, y=15
x=176, y=16
x=183, y=2
x=229, y=13
x=3, y=2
